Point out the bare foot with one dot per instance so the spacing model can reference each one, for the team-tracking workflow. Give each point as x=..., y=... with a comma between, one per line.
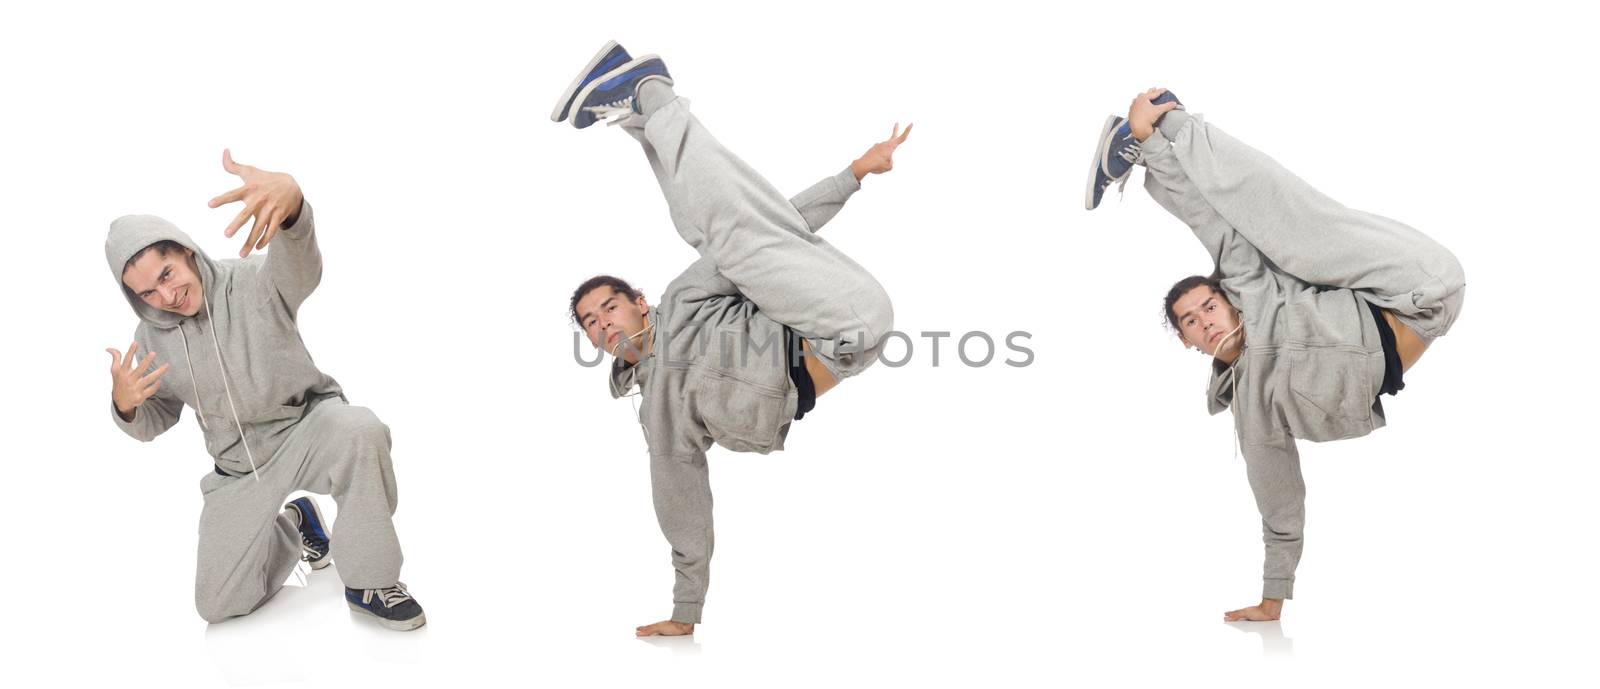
x=664, y=628
x=1269, y=609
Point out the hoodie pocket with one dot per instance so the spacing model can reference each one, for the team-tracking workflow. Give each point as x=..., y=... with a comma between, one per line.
x=1330, y=393
x=737, y=414
x=265, y=430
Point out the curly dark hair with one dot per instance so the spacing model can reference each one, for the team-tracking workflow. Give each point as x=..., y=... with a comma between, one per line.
x=617, y=284
x=1181, y=288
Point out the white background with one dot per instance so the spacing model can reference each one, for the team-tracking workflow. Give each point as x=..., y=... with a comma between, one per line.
x=1079, y=521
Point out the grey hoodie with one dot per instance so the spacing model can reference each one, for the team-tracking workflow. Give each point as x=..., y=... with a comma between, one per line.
x=1312, y=361
x=1302, y=269
x=1287, y=384
x=248, y=316
x=715, y=374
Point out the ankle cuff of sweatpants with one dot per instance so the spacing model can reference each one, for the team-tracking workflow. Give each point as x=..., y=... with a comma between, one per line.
x=1156, y=145
x=686, y=613
x=1281, y=589
x=661, y=95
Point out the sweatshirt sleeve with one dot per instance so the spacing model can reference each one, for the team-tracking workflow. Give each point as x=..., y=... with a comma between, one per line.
x=819, y=203
x=682, y=493
x=1274, y=469
x=1243, y=269
x=150, y=419
x=294, y=264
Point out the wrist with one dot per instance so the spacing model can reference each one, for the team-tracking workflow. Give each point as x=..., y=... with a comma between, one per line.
x=859, y=169
x=126, y=414
x=1141, y=131
x=294, y=216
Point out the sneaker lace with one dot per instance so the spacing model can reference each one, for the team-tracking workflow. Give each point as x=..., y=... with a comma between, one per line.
x=1121, y=185
x=311, y=544
x=1129, y=152
x=622, y=106
x=391, y=596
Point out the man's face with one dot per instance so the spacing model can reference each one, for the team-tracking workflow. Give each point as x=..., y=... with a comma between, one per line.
x=169, y=282
x=1204, y=320
x=607, y=316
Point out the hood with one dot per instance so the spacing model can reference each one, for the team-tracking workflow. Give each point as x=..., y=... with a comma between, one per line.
x=1220, y=393
x=132, y=233
x=623, y=378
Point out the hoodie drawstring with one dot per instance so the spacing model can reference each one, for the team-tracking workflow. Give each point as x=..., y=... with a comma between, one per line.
x=1232, y=372
x=226, y=389
x=189, y=359
x=648, y=327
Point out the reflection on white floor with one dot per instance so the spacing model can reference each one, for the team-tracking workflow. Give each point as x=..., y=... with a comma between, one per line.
x=283, y=639
x=679, y=645
x=1273, y=643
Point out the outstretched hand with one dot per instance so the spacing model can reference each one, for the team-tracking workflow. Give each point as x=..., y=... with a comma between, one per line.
x=880, y=158
x=664, y=628
x=1142, y=114
x=272, y=197
x=130, y=386
x=1269, y=609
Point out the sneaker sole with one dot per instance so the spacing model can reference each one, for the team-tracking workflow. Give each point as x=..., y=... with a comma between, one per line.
x=397, y=625
x=321, y=564
x=1096, y=163
x=608, y=76
x=568, y=97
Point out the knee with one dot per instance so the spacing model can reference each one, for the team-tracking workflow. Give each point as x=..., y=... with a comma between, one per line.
x=362, y=429
x=211, y=607
x=876, y=314
x=1451, y=310
x=1452, y=292
x=1455, y=278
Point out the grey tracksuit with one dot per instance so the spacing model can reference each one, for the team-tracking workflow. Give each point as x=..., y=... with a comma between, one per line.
x=716, y=371
x=297, y=429
x=1301, y=268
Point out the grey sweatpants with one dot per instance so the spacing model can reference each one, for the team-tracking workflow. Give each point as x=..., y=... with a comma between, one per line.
x=731, y=215
x=248, y=547
x=1305, y=234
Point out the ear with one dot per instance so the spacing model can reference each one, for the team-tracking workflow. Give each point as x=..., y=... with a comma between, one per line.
x=641, y=304
x=1185, y=342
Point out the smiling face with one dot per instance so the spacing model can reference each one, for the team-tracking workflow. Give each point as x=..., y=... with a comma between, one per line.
x=166, y=279
x=607, y=316
x=1204, y=319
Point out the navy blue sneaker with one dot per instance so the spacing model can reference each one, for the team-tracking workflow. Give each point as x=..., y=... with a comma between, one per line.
x=313, y=535
x=613, y=93
x=1116, y=155
x=393, y=606
x=611, y=56
x=1167, y=97
x=1114, y=134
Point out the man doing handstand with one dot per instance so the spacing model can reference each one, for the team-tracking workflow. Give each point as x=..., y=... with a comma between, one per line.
x=1314, y=309
x=743, y=342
